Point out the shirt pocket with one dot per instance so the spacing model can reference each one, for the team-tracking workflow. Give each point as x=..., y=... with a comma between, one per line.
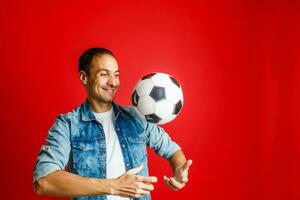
x=85, y=156
x=137, y=146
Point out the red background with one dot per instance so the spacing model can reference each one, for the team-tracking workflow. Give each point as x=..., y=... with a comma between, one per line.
x=237, y=61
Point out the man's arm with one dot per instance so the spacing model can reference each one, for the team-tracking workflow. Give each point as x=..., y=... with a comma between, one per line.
x=161, y=142
x=158, y=140
x=51, y=179
x=180, y=167
x=64, y=184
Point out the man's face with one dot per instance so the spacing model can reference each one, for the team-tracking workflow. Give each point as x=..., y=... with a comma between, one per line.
x=102, y=81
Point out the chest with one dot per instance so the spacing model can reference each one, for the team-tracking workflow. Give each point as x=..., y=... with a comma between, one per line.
x=90, y=147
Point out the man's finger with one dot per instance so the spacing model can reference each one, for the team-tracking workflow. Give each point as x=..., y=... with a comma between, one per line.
x=142, y=191
x=147, y=179
x=185, y=180
x=135, y=170
x=187, y=165
x=170, y=186
x=176, y=184
x=135, y=194
x=146, y=187
x=167, y=182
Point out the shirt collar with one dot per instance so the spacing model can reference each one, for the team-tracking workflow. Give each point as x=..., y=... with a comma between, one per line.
x=87, y=114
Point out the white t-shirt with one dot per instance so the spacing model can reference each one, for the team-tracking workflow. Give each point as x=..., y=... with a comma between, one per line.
x=115, y=166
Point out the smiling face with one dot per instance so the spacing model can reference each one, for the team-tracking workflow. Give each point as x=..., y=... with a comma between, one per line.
x=101, y=82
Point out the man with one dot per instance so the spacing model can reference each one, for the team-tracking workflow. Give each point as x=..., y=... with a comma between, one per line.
x=98, y=151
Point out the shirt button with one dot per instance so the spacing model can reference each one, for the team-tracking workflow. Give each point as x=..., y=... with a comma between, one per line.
x=127, y=164
x=118, y=129
x=123, y=145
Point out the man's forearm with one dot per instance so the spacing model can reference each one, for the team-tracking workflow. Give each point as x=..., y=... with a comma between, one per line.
x=64, y=184
x=177, y=160
x=180, y=167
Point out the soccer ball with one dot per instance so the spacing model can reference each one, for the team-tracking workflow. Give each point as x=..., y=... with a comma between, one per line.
x=158, y=97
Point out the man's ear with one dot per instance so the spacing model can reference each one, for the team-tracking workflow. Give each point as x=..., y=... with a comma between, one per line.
x=83, y=77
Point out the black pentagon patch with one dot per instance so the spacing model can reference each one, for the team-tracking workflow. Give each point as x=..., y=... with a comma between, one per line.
x=177, y=107
x=174, y=81
x=158, y=93
x=134, y=98
x=148, y=76
x=152, y=118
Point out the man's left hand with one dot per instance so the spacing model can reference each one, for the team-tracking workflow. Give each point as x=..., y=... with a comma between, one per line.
x=180, y=177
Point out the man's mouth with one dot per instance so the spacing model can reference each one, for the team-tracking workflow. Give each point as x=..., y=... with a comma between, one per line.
x=109, y=89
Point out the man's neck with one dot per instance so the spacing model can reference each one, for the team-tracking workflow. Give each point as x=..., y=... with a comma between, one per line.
x=99, y=107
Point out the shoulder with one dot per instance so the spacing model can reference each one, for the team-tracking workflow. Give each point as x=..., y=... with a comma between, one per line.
x=133, y=115
x=131, y=110
x=70, y=117
x=66, y=123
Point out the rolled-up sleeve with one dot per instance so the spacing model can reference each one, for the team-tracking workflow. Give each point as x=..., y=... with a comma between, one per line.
x=54, y=154
x=160, y=141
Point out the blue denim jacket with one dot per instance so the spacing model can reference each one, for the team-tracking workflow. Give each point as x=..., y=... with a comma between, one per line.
x=76, y=142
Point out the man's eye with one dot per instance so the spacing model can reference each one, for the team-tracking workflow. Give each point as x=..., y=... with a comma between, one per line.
x=103, y=74
x=116, y=75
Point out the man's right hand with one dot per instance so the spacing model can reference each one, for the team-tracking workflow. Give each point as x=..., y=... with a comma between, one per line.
x=131, y=185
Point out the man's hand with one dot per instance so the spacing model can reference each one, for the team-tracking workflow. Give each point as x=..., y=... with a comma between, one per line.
x=131, y=185
x=180, y=177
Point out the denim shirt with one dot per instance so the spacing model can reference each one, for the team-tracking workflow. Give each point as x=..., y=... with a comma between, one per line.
x=76, y=142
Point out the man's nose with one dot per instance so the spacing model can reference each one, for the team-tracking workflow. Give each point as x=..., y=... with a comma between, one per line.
x=112, y=80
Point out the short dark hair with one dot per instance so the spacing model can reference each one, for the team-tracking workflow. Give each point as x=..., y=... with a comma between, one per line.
x=86, y=58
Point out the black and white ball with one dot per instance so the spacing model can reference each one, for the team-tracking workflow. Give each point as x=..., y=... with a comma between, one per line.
x=158, y=97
